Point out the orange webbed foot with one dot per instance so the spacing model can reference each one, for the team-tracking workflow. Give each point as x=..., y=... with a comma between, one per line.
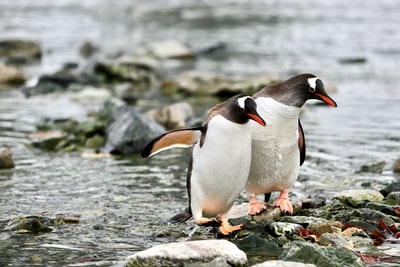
x=283, y=202
x=227, y=229
x=255, y=207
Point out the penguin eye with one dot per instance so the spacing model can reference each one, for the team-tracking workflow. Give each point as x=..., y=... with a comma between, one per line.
x=312, y=90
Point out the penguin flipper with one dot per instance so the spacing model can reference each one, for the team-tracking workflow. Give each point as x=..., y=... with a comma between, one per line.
x=186, y=137
x=302, y=144
x=181, y=217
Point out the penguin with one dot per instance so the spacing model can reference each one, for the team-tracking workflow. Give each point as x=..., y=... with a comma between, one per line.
x=279, y=150
x=220, y=160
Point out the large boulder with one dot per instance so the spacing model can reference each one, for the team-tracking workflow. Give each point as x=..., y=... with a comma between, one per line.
x=193, y=253
x=128, y=131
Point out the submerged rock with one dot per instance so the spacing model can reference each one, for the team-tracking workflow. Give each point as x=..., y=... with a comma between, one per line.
x=6, y=159
x=191, y=253
x=358, y=197
x=306, y=252
x=173, y=116
x=11, y=75
x=128, y=131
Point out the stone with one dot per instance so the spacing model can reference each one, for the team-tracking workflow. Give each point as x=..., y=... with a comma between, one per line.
x=47, y=140
x=128, y=131
x=306, y=252
x=91, y=95
x=253, y=244
x=326, y=227
x=358, y=197
x=6, y=159
x=204, y=83
x=396, y=166
x=11, y=75
x=88, y=49
x=284, y=228
x=393, y=187
x=277, y=263
x=28, y=224
x=303, y=220
x=173, y=116
x=20, y=51
x=333, y=240
x=171, y=49
x=373, y=168
x=394, y=197
x=191, y=253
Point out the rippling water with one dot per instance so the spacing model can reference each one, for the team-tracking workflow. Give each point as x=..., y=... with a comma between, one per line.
x=128, y=199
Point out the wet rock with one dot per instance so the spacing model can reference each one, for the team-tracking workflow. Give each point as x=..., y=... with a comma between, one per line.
x=303, y=220
x=306, y=252
x=47, y=140
x=326, y=227
x=172, y=49
x=192, y=253
x=202, y=83
x=277, y=263
x=91, y=95
x=88, y=49
x=373, y=168
x=128, y=131
x=95, y=142
x=20, y=51
x=173, y=116
x=6, y=159
x=366, y=218
x=284, y=228
x=396, y=166
x=394, y=197
x=29, y=224
x=108, y=108
x=393, y=187
x=358, y=197
x=313, y=202
x=254, y=245
x=333, y=240
x=11, y=75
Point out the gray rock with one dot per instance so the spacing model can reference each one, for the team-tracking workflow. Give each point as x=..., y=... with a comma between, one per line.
x=277, y=263
x=358, y=197
x=11, y=75
x=128, y=131
x=88, y=49
x=29, y=224
x=396, y=166
x=20, y=51
x=191, y=253
x=173, y=116
x=326, y=227
x=91, y=95
x=203, y=83
x=373, y=168
x=253, y=244
x=394, y=197
x=6, y=159
x=284, y=228
x=171, y=49
x=333, y=240
x=306, y=252
x=303, y=220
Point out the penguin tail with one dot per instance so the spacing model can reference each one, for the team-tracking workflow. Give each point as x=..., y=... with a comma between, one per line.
x=176, y=138
x=181, y=217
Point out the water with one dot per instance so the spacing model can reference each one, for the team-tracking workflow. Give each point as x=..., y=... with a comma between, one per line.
x=128, y=200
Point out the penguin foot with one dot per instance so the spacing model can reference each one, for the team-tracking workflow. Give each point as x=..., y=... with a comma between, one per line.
x=255, y=207
x=283, y=202
x=227, y=229
x=208, y=222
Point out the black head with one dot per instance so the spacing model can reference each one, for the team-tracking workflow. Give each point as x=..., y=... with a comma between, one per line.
x=296, y=90
x=242, y=108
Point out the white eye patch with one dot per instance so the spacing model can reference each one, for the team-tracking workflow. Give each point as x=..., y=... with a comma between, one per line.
x=241, y=101
x=313, y=82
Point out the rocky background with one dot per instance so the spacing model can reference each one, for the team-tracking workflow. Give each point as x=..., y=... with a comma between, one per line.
x=75, y=111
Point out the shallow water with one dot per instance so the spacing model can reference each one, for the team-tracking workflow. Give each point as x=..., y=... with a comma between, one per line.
x=122, y=203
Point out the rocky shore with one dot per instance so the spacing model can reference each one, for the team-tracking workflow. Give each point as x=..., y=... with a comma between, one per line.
x=128, y=99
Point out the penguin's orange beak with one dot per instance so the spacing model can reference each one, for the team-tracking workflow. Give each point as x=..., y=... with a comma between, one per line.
x=256, y=118
x=327, y=100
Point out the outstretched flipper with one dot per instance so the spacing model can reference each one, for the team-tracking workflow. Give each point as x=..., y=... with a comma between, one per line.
x=176, y=138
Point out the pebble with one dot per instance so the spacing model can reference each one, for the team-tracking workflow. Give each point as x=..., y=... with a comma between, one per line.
x=193, y=253
x=6, y=159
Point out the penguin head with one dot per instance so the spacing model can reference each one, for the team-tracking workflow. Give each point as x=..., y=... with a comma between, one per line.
x=296, y=90
x=244, y=108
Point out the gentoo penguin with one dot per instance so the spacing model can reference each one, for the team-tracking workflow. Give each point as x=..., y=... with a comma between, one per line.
x=220, y=161
x=278, y=150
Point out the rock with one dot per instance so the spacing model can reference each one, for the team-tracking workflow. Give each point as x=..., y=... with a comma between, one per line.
x=29, y=224
x=95, y=142
x=396, y=166
x=373, y=168
x=171, y=49
x=358, y=197
x=394, y=197
x=306, y=252
x=191, y=253
x=253, y=244
x=47, y=140
x=128, y=131
x=6, y=159
x=277, y=263
x=326, y=227
x=88, y=49
x=393, y=187
x=20, y=51
x=284, y=228
x=303, y=220
x=383, y=207
x=366, y=218
x=11, y=75
x=353, y=60
x=174, y=116
x=91, y=95
x=333, y=240
x=202, y=83
x=108, y=108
